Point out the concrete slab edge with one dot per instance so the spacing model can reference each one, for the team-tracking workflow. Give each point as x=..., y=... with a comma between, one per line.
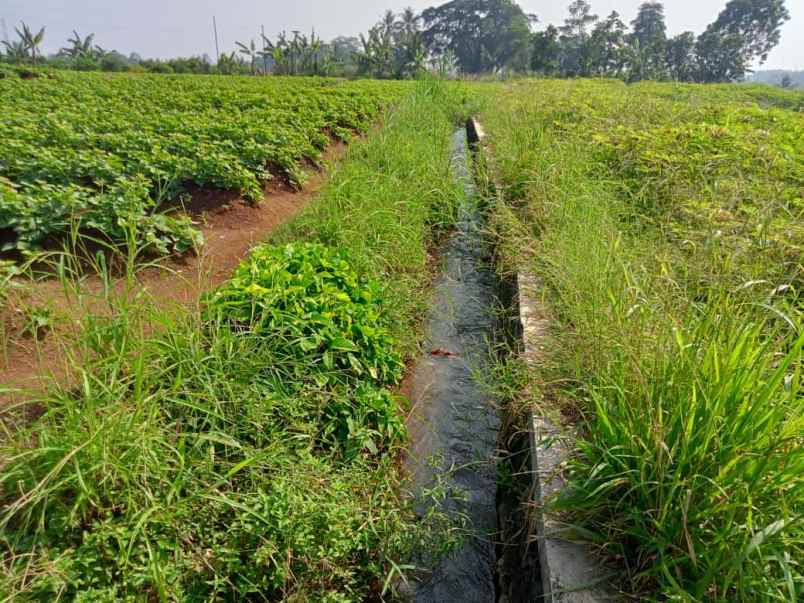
x=570, y=571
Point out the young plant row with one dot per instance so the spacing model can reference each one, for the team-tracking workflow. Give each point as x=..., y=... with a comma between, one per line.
x=112, y=153
x=246, y=450
x=666, y=223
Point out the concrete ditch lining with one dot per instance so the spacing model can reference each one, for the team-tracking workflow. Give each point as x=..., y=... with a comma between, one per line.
x=570, y=571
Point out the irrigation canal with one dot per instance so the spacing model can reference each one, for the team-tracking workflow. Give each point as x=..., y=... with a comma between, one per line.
x=455, y=424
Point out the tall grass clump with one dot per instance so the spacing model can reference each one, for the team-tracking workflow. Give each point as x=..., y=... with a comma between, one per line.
x=244, y=449
x=671, y=269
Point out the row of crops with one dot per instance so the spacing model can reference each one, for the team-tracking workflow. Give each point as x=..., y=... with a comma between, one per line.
x=245, y=447
x=667, y=223
x=110, y=154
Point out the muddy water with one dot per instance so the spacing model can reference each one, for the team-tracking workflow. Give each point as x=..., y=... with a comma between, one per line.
x=454, y=424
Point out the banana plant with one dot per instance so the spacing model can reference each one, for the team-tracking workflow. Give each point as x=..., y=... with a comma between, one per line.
x=80, y=47
x=15, y=51
x=316, y=46
x=30, y=41
x=250, y=51
x=227, y=63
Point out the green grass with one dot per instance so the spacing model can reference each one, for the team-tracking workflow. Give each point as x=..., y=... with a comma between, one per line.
x=245, y=450
x=665, y=222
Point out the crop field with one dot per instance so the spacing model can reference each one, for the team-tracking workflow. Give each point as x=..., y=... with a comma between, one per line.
x=109, y=155
x=250, y=443
x=245, y=448
x=667, y=224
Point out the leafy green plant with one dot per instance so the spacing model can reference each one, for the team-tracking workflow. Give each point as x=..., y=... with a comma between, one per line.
x=308, y=300
x=38, y=321
x=98, y=150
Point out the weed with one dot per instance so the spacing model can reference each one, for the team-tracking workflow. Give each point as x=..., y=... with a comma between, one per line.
x=668, y=239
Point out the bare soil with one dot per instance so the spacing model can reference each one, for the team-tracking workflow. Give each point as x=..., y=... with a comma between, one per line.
x=231, y=227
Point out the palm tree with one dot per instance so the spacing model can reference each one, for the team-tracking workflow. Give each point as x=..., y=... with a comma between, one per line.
x=408, y=23
x=388, y=22
x=282, y=53
x=30, y=41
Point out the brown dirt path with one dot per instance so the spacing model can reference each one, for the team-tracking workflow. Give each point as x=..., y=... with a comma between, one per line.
x=231, y=227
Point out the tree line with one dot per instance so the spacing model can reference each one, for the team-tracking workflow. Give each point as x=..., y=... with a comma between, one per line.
x=475, y=37
x=744, y=33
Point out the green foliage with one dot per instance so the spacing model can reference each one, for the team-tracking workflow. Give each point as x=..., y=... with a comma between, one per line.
x=649, y=41
x=680, y=57
x=708, y=452
x=27, y=47
x=109, y=153
x=484, y=35
x=575, y=37
x=310, y=301
x=546, y=51
x=299, y=55
x=394, y=47
x=608, y=49
x=743, y=34
x=670, y=247
x=38, y=321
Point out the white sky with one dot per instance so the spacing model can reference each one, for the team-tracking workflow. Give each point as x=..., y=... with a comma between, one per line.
x=168, y=28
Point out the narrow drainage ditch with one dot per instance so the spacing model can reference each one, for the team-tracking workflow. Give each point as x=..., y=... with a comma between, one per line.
x=461, y=440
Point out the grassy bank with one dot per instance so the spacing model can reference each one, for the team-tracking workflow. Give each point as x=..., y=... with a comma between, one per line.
x=666, y=224
x=245, y=450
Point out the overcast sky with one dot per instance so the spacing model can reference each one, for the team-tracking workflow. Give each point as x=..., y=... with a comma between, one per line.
x=169, y=28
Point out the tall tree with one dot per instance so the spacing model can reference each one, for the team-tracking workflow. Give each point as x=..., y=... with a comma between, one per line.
x=394, y=47
x=484, y=35
x=410, y=50
x=649, y=41
x=680, y=57
x=608, y=47
x=719, y=57
x=378, y=55
x=344, y=53
x=579, y=21
x=649, y=27
x=745, y=31
x=546, y=51
x=575, y=35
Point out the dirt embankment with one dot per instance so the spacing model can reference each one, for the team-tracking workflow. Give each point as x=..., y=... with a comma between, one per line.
x=231, y=227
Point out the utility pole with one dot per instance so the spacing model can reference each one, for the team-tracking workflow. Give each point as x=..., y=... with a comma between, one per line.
x=5, y=31
x=264, y=56
x=217, y=49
